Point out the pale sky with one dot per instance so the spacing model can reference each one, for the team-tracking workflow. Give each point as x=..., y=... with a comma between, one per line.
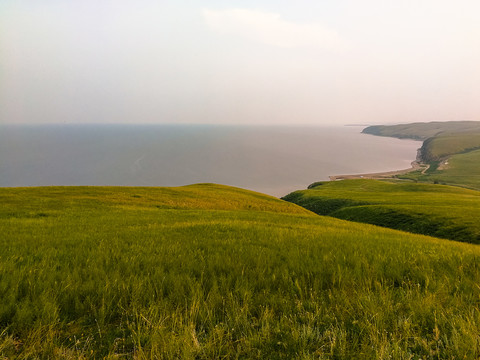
x=239, y=62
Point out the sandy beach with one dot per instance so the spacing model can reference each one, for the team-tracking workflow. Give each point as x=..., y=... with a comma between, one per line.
x=381, y=175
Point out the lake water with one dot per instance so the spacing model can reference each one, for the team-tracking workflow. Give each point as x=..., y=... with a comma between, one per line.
x=272, y=160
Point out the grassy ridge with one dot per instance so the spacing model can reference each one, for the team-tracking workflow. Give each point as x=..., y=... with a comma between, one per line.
x=453, y=160
x=435, y=210
x=461, y=169
x=422, y=131
x=25, y=202
x=442, y=146
x=214, y=272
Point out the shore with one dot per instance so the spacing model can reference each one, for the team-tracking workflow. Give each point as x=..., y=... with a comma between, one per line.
x=417, y=164
x=381, y=175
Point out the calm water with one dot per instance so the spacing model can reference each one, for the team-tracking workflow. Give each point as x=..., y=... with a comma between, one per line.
x=272, y=160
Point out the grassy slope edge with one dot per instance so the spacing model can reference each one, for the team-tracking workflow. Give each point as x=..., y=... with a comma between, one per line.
x=422, y=131
x=436, y=210
x=208, y=271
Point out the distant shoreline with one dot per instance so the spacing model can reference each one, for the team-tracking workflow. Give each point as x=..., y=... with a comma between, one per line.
x=417, y=164
x=380, y=175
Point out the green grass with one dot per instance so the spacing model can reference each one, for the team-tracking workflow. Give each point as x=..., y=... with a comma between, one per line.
x=442, y=146
x=461, y=170
x=460, y=163
x=211, y=272
x=436, y=210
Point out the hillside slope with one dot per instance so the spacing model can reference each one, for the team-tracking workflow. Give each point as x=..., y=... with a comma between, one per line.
x=459, y=169
x=450, y=149
x=208, y=271
x=422, y=131
x=442, y=146
x=436, y=210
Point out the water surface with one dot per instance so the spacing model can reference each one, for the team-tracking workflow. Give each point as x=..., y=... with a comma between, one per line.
x=272, y=160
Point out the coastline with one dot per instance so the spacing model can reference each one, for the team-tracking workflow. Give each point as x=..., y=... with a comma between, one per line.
x=381, y=175
x=417, y=164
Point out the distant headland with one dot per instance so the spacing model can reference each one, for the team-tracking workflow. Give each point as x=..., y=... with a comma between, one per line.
x=441, y=141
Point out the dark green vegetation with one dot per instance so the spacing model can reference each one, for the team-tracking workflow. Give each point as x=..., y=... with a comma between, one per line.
x=209, y=272
x=423, y=131
x=436, y=210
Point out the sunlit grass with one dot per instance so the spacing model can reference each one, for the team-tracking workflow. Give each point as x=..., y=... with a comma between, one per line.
x=442, y=211
x=207, y=272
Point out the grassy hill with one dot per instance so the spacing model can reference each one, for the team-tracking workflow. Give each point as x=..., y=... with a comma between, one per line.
x=208, y=271
x=436, y=210
x=422, y=131
x=449, y=148
x=460, y=169
x=440, y=147
x=454, y=159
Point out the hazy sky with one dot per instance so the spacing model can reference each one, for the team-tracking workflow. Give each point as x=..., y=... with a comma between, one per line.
x=239, y=62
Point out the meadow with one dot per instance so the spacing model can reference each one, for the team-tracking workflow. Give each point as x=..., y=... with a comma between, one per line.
x=437, y=210
x=208, y=271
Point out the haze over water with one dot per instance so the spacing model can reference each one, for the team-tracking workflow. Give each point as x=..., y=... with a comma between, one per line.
x=272, y=160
